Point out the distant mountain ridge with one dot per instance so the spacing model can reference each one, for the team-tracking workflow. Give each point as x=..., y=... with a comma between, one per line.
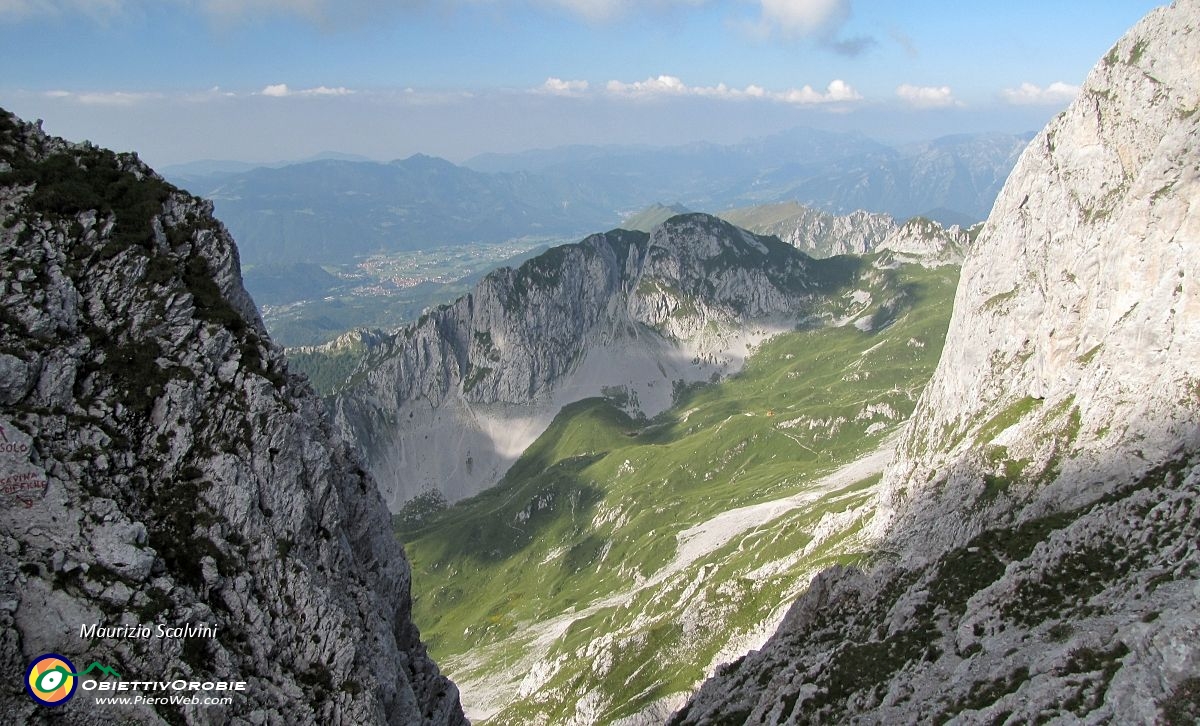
x=192, y=170
x=331, y=211
x=952, y=179
x=334, y=211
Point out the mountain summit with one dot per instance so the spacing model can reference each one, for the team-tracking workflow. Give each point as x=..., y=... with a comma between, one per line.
x=1038, y=558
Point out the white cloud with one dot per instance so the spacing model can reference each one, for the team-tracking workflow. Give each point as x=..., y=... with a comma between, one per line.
x=559, y=87
x=104, y=98
x=281, y=90
x=927, y=96
x=1030, y=95
x=661, y=86
x=820, y=21
x=837, y=91
x=805, y=17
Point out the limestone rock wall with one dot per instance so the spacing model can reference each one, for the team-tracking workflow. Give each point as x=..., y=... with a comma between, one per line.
x=1037, y=531
x=174, y=472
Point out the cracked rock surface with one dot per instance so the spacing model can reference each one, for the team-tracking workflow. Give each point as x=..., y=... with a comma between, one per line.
x=162, y=466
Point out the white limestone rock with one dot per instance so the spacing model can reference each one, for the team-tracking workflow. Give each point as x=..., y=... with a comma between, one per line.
x=1038, y=529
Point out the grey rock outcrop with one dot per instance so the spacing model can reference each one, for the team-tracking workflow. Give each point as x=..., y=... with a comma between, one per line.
x=925, y=242
x=816, y=232
x=453, y=400
x=163, y=467
x=1039, y=525
x=820, y=234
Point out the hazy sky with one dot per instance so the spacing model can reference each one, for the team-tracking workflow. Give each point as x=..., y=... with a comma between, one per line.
x=261, y=80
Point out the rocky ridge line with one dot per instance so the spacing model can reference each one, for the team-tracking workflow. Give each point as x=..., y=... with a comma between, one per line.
x=821, y=234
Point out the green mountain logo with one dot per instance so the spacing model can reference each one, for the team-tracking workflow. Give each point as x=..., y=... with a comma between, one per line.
x=96, y=666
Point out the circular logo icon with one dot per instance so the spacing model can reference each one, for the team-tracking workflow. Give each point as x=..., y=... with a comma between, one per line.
x=51, y=680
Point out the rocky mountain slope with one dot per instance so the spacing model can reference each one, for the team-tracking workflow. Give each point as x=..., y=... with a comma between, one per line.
x=456, y=398
x=1039, y=525
x=821, y=234
x=162, y=466
x=925, y=242
x=813, y=231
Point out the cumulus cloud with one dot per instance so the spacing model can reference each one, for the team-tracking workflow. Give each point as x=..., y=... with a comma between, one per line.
x=1027, y=94
x=927, y=96
x=659, y=86
x=805, y=17
x=819, y=20
x=559, y=87
x=281, y=90
x=838, y=91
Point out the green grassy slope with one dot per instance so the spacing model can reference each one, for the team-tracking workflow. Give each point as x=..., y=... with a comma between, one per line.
x=652, y=216
x=567, y=592
x=763, y=216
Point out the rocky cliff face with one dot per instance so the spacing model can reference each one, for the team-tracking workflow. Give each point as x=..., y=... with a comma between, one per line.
x=1039, y=523
x=452, y=402
x=821, y=234
x=925, y=242
x=162, y=467
x=816, y=232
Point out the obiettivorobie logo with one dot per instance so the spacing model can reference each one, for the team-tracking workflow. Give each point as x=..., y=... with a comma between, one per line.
x=51, y=679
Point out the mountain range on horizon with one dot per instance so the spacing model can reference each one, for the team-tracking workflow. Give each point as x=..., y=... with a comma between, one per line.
x=332, y=211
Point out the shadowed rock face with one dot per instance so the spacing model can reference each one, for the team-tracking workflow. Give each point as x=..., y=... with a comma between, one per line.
x=174, y=472
x=1039, y=523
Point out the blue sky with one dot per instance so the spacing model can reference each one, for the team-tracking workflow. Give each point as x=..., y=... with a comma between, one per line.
x=261, y=80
